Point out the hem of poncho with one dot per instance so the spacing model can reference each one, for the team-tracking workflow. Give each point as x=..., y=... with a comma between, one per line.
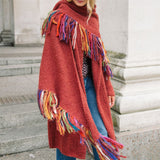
x=70, y=154
x=106, y=147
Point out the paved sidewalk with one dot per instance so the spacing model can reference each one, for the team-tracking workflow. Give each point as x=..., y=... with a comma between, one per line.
x=38, y=154
x=20, y=51
x=18, y=85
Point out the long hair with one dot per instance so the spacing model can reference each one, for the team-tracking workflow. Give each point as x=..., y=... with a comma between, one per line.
x=90, y=7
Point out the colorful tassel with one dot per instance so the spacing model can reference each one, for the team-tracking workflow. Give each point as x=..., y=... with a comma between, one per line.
x=74, y=36
x=47, y=22
x=92, y=45
x=50, y=109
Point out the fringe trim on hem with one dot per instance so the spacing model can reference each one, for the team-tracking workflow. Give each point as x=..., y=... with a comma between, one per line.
x=92, y=45
x=106, y=147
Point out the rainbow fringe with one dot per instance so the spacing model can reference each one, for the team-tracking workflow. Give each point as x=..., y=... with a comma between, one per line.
x=92, y=45
x=106, y=147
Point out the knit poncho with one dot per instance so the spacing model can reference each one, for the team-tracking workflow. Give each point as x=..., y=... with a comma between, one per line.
x=61, y=90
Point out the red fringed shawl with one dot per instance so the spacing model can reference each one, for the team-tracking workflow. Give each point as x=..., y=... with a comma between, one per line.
x=61, y=90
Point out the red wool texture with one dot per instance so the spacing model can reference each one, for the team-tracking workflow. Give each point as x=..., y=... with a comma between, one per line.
x=61, y=90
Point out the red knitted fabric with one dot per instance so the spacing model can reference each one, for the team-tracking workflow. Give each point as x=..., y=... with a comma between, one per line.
x=61, y=91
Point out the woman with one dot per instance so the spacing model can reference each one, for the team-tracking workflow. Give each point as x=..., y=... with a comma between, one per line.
x=74, y=89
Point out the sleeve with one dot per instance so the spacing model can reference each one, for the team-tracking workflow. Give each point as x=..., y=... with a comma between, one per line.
x=109, y=87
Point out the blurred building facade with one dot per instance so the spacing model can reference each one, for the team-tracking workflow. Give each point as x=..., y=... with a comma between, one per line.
x=20, y=21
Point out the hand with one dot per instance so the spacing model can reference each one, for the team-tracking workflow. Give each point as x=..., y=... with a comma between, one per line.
x=111, y=101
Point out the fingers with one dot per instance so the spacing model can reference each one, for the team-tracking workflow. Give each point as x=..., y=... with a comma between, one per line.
x=111, y=101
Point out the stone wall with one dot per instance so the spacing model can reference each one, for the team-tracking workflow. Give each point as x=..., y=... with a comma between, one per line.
x=6, y=22
x=131, y=31
x=26, y=22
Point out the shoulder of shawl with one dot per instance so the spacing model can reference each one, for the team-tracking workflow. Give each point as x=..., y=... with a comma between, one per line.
x=70, y=18
x=92, y=45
